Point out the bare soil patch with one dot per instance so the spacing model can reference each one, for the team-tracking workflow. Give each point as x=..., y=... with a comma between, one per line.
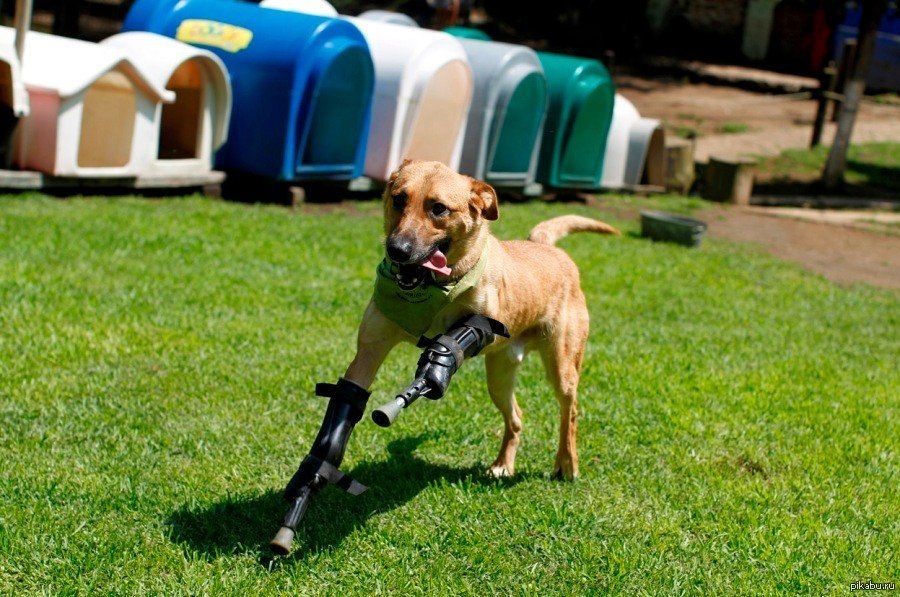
x=843, y=249
x=842, y=253
x=718, y=111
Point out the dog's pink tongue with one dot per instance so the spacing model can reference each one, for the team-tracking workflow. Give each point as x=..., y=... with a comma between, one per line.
x=437, y=262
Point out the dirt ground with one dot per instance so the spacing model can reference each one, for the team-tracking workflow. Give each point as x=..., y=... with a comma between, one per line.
x=840, y=252
x=837, y=248
x=731, y=121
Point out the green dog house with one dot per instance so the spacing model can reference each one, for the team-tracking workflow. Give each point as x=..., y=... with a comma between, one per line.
x=582, y=97
x=467, y=33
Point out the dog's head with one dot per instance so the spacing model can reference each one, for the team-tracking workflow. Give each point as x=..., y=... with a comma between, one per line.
x=432, y=212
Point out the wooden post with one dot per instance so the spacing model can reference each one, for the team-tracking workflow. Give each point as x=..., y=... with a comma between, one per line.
x=679, y=165
x=729, y=180
x=833, y=174
x=826, y=88
x=848, y=57
x=22, y=24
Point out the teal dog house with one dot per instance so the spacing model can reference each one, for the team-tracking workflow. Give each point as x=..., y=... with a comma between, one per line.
x=582, y=97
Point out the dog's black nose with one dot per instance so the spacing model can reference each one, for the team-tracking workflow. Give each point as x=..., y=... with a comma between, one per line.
x=399, y=250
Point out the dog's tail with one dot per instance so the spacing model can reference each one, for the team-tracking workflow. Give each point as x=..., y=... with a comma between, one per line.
x=550, y=231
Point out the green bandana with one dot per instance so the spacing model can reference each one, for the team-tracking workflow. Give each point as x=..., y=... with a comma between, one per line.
x=414, y=309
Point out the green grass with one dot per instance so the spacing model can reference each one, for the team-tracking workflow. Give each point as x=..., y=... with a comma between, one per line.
x=157, y=359
x=876, y=225
x=869, y=165
x=887, y=99
x=684, y=131
x=733, y=128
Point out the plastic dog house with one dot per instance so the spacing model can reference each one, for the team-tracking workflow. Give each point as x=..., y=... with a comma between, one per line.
x=423, y=91
x=302, y=84
x=388, y=16
x=195, y=124
x=467, y=32
x=578, y=120
x=310, y=7
x=92, y=112
x=635, y=149
x=503, y=133
x=13, y=98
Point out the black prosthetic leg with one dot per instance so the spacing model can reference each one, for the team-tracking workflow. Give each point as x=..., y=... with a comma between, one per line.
x=443, y=356
x=346, y=405
x=441, y=359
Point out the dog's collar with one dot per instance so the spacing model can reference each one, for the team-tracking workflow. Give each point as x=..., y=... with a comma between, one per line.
x=414, y=309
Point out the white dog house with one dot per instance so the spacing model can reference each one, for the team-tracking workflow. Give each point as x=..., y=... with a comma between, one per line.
x=92, y=112
x=191, y=128
x=387, y=16
x=423, y=90
x=635, y=149
x=309, y=7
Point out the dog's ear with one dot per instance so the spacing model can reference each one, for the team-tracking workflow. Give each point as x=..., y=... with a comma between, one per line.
x=393, y=178
x=396, y=172
x=484, y=197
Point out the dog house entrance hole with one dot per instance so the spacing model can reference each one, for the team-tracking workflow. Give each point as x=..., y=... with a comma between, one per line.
x=520, y=126
x=655, y=162
x=442, y=107
x=179, y=133
x=107, y=122
x=583, y=154
x=8, y=118
x=339, y=111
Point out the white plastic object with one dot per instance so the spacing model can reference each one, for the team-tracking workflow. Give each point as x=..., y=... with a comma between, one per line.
x=191, y=128
x=92, y=111
x=635, y=147
x=423, y=91
x=389, y=16
x=310, y=7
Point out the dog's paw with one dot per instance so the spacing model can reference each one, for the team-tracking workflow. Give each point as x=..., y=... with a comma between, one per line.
x=499, y=471
x=565, y=474
x=565, y=468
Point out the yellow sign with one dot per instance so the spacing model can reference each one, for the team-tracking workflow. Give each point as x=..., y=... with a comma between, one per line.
x=211, y=33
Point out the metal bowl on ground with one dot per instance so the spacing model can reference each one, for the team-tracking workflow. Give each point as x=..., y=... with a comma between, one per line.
x=668, y=227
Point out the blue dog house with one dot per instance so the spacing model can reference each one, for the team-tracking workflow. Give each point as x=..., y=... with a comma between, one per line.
x=302, y=84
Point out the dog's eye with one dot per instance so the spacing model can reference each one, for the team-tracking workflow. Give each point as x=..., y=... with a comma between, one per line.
x=439, y=209
x=399, y=201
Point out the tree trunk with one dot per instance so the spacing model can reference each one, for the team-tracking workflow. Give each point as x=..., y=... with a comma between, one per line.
x=833, y=175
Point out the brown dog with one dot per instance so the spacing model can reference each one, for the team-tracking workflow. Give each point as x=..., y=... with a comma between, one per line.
x=438, y=219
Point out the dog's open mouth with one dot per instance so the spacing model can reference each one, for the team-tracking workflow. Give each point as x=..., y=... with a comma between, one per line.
x=436, y=261
x=411, y=275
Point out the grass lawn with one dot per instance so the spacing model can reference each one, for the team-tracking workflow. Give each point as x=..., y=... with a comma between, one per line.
x=871, y=168
x=739, y=429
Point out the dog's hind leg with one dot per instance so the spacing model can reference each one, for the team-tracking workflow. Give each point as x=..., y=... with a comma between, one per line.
x=502, y=367
x=562, y=354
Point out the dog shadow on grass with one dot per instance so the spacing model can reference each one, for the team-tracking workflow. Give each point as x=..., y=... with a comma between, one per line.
x=245, y=524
